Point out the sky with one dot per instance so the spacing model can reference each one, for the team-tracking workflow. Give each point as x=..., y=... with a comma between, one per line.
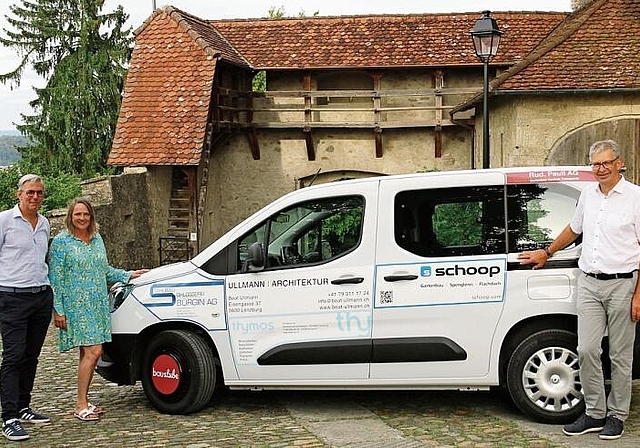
x=16, y=101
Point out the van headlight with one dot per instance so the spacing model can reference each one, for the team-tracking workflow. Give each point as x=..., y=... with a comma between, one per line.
x=118, y=294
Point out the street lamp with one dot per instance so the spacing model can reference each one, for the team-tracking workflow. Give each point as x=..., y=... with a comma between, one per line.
x=486, y=38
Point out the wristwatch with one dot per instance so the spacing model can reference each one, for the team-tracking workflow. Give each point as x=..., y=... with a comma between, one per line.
x=548, y=252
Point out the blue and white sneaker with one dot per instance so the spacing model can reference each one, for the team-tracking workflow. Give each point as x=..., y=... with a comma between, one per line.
x=13, y=430
x=28, y=415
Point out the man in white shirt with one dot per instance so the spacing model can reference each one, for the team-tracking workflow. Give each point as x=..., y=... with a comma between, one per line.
x=608, y=217
x=26, y=303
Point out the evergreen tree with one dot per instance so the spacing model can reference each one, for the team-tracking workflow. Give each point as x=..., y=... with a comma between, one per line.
x=82, y=54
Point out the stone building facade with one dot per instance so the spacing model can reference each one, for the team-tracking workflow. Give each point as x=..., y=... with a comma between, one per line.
x=354, y=96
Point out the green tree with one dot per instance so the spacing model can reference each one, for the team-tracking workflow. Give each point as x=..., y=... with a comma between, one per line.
x=8, y=186
x=58, y=189
x=82, y=55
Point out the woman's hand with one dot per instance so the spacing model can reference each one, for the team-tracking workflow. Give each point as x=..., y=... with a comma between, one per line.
x=60, y=321
x=138, y=273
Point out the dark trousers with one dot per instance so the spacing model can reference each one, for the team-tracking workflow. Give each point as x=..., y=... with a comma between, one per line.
x=24, y=321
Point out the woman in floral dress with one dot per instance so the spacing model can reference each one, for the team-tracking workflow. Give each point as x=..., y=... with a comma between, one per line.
x=79, y=272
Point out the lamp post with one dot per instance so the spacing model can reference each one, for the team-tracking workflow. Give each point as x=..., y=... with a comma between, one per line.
x=486, y=38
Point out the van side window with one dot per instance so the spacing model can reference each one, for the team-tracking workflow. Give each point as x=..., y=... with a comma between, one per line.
x=537, y=213
x=451, y=221
x=308, y=233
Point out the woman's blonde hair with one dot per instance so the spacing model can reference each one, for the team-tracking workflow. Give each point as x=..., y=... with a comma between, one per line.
x=93, y=225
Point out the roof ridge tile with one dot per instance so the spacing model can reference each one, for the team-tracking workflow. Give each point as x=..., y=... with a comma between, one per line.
x=183, y=18
x=557, y=36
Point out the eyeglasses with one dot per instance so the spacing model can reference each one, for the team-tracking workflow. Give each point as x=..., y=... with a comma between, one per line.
x=32, y=193
x=606, y=164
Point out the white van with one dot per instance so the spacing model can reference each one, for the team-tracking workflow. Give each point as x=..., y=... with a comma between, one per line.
x=398, y=282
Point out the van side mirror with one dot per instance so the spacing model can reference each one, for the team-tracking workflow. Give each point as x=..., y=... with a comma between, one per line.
x=255, y=259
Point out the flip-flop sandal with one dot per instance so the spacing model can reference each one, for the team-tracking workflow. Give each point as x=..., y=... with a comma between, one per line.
x=96, y=409
x=86, y=415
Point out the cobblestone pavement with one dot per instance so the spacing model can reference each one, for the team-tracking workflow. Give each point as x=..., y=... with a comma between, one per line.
x=292, y=418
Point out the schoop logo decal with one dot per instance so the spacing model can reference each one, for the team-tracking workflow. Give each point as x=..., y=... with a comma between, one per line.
x=425, y=271
x=468, y=270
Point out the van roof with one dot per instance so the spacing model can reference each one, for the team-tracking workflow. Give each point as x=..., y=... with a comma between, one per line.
x=514, y=175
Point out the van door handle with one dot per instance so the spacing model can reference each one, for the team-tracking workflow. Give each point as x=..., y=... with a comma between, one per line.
x=344, y=281
x=398, y=278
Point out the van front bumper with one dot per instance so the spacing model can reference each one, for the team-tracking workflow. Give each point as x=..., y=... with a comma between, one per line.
x=117, y=363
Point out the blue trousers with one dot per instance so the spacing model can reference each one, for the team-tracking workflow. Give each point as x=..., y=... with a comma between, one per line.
x=24, y=321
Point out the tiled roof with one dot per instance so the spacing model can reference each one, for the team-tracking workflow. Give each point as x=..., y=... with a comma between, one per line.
x=434, y=40
x=165, y=105
x=598, y=47
x=164, y=109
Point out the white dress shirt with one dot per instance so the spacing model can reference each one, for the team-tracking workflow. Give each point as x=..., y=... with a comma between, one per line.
x=23, y=250
x=610, y=227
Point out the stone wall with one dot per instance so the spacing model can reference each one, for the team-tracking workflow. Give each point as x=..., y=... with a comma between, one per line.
x=159, y=194
x=122, y=211
x=534, y=130
x=239, y=185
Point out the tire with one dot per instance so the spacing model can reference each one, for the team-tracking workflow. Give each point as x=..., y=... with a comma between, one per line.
x=178, y=372
x=543, y=377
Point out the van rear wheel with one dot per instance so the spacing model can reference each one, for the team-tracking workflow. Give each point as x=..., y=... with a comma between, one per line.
x=543, y=377
x=178, y=372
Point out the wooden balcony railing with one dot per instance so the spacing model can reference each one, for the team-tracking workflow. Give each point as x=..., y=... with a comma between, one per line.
x=374, y=109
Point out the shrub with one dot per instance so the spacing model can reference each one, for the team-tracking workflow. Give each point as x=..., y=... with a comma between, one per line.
x=60, y=189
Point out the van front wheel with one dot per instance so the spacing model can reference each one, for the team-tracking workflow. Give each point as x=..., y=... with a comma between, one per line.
x=543, y=377
x=178, y=372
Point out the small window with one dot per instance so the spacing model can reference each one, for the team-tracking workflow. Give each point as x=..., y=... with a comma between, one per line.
x=451, y=221
x=308, y=233
x=538, y=213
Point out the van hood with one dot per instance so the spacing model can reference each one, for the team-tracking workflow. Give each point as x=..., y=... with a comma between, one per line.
x=165, y=272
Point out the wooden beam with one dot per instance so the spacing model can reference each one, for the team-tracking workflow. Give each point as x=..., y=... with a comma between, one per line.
x=307, y=97
x=311, y=150
x=439, y=83
x=253, y=143
x=437, y=136
x=308, y=104
x=438, y=79
x=428, y=123
x=377, y=132
x=367, y=93
x=377, y=106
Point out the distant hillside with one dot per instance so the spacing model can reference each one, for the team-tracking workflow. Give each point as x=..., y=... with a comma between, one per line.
x=8, y=144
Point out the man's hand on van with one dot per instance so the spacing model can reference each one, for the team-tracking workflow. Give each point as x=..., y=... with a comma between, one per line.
x=537, y=258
